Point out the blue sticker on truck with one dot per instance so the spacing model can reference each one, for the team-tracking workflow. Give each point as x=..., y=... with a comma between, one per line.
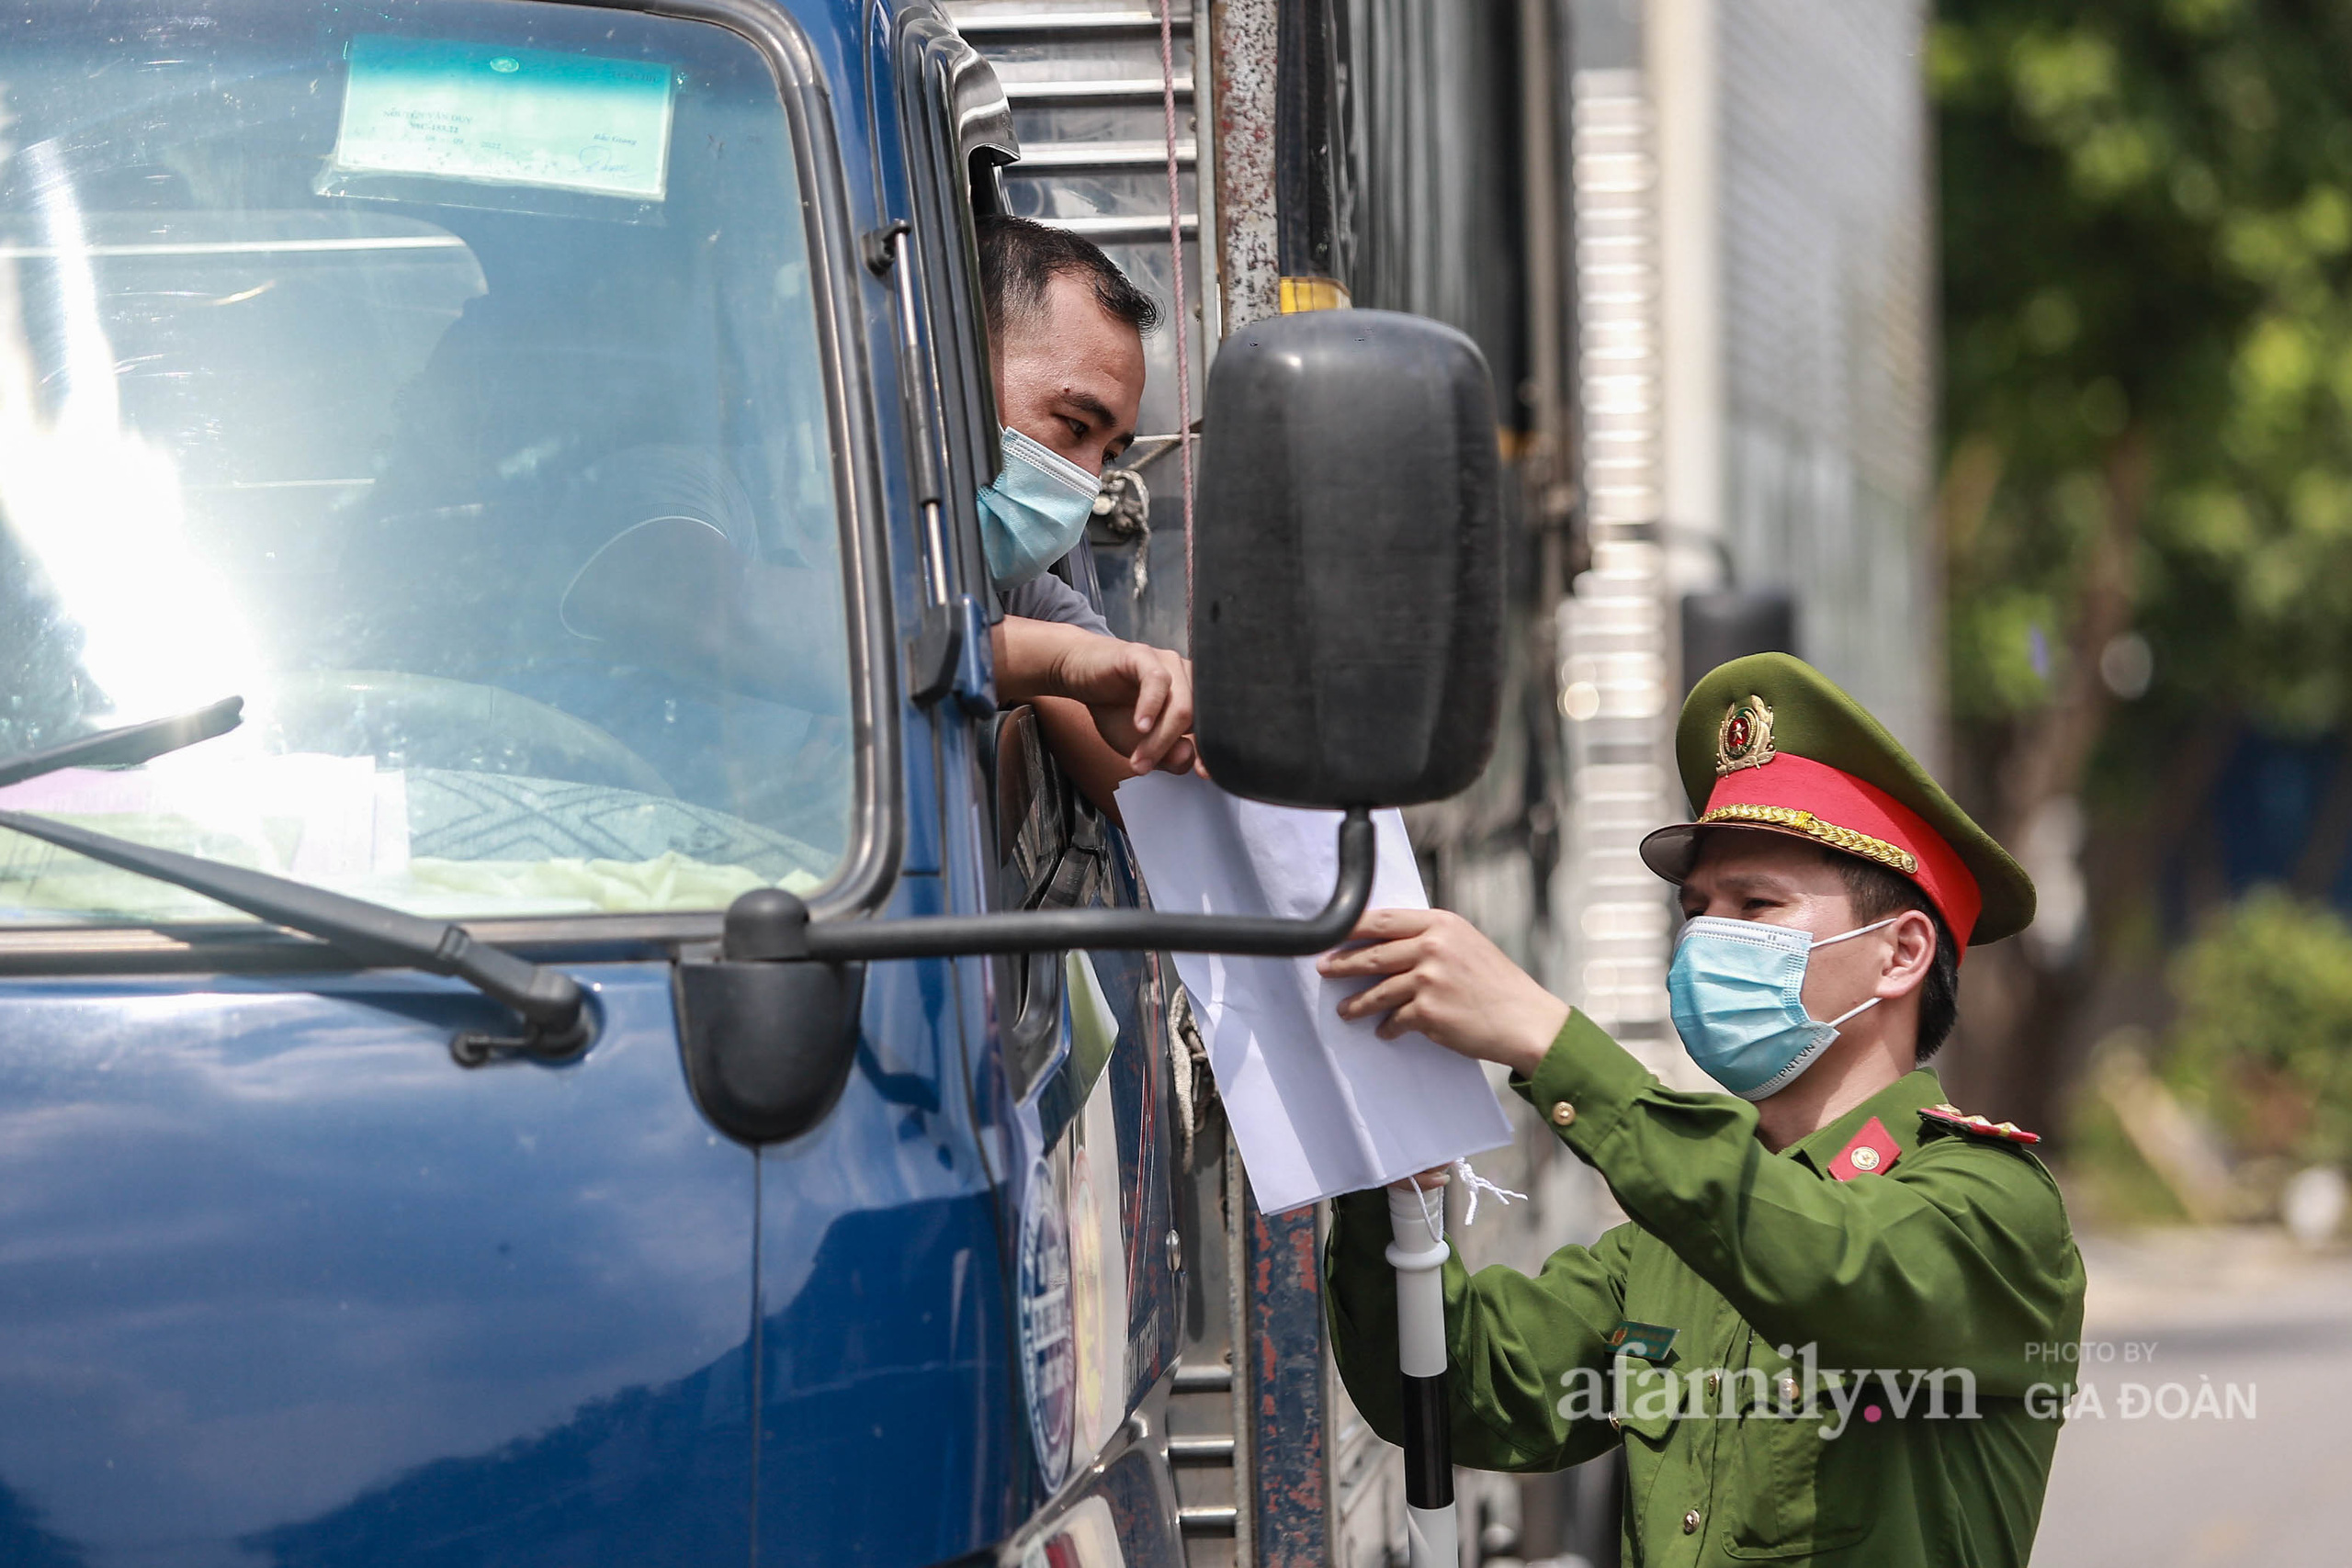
x=1048, y=1344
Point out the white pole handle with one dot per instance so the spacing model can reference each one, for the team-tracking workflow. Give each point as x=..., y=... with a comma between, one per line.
x=1416, y=1222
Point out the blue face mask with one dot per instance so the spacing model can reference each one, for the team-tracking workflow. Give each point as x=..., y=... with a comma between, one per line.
x=1035, y=513
x=1736, y=989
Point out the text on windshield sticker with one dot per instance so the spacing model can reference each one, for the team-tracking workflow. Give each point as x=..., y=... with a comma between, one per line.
x=526, y=117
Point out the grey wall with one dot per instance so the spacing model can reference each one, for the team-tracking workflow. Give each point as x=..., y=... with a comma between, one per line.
x=1828, y=371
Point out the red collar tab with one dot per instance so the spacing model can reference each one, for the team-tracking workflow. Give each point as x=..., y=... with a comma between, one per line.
x=1873, y=1153
x=1846, y=813
x=1960, y=1120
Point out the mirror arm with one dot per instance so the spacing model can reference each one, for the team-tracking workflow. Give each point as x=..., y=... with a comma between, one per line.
x=770, y=1028
x=772, y=924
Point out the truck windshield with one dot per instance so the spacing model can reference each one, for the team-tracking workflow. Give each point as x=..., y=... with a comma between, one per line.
x=444, y=379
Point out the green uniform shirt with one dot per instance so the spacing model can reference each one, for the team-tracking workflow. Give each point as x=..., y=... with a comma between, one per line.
x=1955, y=1257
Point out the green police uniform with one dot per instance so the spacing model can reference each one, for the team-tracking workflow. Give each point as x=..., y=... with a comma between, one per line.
x=1845, y=1352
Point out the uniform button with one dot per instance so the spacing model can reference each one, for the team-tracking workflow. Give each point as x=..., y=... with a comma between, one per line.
x=1714, y=1381
x=1691, y=1522
x=1788, y=1390
x=1564, y=1114
x=1616, y=1424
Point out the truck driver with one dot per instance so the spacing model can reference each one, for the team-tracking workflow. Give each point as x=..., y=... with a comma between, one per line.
x=1066, y=332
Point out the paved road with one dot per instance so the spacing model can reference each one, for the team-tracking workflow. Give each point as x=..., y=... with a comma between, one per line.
x=2234, y=1307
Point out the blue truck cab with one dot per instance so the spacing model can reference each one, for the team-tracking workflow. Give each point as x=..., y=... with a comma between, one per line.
x=615, y=1050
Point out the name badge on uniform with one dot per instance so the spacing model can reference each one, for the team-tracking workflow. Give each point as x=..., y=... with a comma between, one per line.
x=1647, y=1340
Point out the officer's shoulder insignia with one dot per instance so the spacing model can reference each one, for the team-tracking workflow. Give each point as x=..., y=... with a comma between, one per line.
x=1744, y=738
x=1960, y=1120
x=1873, y=1151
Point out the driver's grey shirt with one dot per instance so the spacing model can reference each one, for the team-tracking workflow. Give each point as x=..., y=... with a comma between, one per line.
x=1048, y=598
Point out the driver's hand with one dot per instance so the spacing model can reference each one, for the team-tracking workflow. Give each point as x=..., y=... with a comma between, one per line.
x=1141, y=698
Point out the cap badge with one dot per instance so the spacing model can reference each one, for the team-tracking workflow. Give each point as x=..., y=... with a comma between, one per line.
x=1746, y=738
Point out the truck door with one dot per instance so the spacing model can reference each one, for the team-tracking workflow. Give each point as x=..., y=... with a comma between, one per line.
x=1073, y=1048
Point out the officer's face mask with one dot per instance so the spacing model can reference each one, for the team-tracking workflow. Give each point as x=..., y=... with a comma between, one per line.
x=1036, y=511
x=1736, y=989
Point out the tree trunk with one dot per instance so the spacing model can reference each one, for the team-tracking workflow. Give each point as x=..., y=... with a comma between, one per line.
x=2054, y=745
x=2018, y=1006
x=2322, y=860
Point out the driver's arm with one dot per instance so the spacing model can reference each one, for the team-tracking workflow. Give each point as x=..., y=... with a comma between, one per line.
x=1110, y=710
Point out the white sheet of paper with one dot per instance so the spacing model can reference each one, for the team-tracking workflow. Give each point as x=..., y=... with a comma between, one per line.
x=1320, y=1106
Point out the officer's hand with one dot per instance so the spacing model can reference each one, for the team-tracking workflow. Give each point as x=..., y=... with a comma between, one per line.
x=1439, y=976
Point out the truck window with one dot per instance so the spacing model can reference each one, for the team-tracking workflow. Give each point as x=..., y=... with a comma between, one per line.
x=446, y=379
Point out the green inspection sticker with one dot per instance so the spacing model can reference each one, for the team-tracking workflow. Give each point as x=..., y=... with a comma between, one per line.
x=512, y=117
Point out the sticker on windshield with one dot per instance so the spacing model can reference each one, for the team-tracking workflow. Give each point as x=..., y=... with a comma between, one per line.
x=509, y=117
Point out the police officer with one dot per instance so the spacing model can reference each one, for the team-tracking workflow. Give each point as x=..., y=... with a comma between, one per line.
x=1829, y=1332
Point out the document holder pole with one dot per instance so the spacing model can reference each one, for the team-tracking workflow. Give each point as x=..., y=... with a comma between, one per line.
x=1416, y=1222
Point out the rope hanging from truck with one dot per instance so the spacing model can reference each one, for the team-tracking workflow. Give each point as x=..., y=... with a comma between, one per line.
x=1181, y=314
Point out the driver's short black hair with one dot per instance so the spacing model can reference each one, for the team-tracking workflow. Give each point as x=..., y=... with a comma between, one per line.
x=1019, y=257
x=1878, y=893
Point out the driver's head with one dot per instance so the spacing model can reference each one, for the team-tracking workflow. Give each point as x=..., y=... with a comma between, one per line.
x=1066, y=328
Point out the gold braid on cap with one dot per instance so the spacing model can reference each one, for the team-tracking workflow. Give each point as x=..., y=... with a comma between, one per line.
x=1822, y=833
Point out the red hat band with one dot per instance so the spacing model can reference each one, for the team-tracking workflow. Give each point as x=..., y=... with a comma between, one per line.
x=1833, y=808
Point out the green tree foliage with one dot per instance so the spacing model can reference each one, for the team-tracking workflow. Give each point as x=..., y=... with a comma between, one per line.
x=2264, y=1041
x=2147, y=211
x=2146, y=241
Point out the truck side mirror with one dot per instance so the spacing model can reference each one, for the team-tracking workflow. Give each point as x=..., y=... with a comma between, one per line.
x=1347, y=568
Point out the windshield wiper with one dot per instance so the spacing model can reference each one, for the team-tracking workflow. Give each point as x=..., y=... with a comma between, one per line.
x=554, y=1012
x=128, y=744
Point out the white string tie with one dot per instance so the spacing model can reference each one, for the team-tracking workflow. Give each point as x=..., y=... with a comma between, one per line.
x=1432, y=1216
x=1478, y=1184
